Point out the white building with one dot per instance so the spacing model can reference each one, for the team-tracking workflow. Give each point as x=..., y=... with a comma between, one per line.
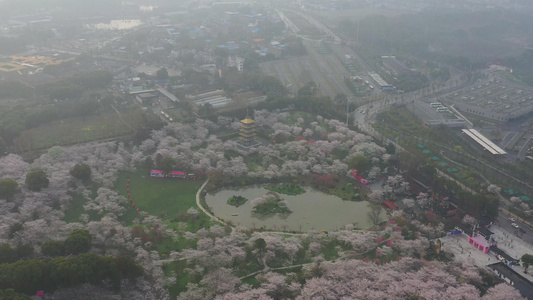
x=237, y=62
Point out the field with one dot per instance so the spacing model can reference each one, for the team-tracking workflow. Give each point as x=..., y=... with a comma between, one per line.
x=324, y=69
x=77, y=130
x=162, y=197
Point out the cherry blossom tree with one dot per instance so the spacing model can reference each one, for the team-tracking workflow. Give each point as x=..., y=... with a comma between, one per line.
x=408, y=202
x=503, y=291
x=277, y=286
x=469, y=220
x=368, y=149
x=397, y=214
x=13, y=167
x=307, y=133
x=396, y=186
x=107, y=201
x=220, y=280
x=258, y=294
x=374, y=173
x=423, y=200
x=494, y=189
x=193, y=292
x=515, y=200
x=376, y=196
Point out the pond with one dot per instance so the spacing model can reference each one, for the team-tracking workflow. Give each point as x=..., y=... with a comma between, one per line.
x=312, y=210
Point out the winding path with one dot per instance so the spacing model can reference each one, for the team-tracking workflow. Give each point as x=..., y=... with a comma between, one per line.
x=213, y=218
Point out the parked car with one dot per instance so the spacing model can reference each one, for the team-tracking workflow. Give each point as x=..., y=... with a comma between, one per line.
x=512, y=219
x=522, y=230
x=514, y=225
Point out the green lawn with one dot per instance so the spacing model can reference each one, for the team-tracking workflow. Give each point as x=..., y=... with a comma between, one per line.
x=329, y=250
x=75, y=210
x=175, y=268
x=162, y=197
x=252, y=281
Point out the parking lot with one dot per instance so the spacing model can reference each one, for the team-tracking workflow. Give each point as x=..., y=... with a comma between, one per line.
x=494, y=98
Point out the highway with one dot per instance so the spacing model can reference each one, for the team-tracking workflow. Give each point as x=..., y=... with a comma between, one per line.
x=288, y=22
x=367, y=112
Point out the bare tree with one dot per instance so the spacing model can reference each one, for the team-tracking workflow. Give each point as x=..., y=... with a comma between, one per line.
x=374, y=215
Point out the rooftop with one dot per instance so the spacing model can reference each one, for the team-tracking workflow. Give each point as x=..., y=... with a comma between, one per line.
x=247, y=121
x=494, y=99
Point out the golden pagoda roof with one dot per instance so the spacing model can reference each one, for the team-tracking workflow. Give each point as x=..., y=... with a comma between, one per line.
x=247, y=121
x=247, y=134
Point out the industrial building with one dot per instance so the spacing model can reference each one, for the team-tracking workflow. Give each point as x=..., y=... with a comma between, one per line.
x=216, y=98
x=380, y=81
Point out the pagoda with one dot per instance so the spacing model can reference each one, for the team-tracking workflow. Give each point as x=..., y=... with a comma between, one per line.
x=247, y=132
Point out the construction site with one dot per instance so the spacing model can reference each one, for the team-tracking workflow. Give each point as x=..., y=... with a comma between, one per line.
x=28, y=64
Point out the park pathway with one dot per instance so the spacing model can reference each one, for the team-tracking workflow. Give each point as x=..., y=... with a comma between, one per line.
x=213, y=218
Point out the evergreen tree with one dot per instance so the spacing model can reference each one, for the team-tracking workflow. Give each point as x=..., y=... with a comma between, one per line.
x=8, y=188
x=79, y=241
x=37, y=180
x=81, y=171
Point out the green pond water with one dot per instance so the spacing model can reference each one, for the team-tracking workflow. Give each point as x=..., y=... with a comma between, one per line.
x=312, y=210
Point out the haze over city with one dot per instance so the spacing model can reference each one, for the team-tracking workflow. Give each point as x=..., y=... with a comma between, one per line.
x=310, y=149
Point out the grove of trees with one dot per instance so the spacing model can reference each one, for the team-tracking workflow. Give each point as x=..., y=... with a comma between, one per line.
x=30, y=276
x=207, y=262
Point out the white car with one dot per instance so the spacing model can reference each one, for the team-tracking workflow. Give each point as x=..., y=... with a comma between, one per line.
x=514, y=225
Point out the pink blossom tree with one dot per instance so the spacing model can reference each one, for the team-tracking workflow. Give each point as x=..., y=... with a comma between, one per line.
x=503, y=291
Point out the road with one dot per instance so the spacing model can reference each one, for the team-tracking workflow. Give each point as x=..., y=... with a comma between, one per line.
x=504, y=223
x=525, y=148
x=329, y=67
x=367, y=112
x=324, y=69
x=288, y=22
